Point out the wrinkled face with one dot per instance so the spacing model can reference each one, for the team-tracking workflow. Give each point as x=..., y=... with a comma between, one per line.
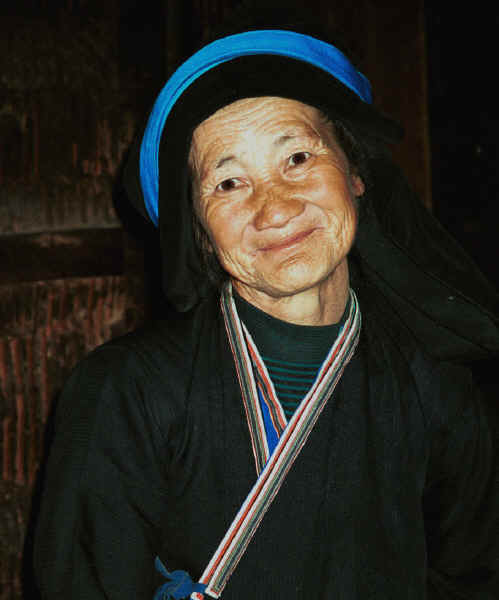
x=275, y=194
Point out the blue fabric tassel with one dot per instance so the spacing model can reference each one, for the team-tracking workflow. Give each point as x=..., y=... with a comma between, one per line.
x=180, y=584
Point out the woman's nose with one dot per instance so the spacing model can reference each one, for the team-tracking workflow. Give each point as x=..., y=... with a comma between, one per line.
x=275, y=206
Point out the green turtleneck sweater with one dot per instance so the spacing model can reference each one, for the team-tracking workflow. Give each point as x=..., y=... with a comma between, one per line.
x=293, y=354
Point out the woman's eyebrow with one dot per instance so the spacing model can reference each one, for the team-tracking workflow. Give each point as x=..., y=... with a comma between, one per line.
x=224, y=160
x=280, y=141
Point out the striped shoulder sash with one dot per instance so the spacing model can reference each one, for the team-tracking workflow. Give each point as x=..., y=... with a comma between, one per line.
x=273, y=459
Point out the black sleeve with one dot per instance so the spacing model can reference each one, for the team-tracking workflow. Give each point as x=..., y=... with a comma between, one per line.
x=461, y=502
x=104, y=495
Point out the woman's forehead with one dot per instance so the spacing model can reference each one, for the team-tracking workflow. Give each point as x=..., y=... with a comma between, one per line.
x=260, y=110
x=242, y=119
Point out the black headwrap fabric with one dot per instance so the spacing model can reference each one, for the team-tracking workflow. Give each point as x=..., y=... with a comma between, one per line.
x=427, y=279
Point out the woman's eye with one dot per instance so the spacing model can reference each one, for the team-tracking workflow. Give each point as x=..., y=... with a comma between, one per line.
x=227, y=185
x=298, y=158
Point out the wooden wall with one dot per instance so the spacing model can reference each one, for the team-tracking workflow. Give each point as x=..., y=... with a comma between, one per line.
x=70, y=276
x=75, y=78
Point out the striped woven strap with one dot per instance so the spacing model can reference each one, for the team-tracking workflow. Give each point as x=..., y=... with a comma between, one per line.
x=272, y=410
x=291, y=441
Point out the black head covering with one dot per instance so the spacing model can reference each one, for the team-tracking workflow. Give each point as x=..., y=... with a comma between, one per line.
x=425, y=277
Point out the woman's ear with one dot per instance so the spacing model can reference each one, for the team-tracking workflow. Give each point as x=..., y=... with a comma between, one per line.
x=201, y=237
x=205, y=241
x=358, y=187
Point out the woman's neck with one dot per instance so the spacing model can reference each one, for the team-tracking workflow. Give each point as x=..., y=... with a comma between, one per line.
x=322, y=304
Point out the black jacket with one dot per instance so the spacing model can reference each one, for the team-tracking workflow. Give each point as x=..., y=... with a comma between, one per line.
x=394, y=495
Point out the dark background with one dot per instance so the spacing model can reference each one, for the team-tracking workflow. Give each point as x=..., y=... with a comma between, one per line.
x=464, y=125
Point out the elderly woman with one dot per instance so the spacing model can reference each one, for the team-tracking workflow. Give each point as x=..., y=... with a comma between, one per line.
x=295, y=430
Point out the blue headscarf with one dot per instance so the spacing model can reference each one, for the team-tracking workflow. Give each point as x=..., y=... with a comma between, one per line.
x=249, y=43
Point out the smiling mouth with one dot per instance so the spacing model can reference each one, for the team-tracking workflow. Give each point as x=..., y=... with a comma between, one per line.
x=288, y=242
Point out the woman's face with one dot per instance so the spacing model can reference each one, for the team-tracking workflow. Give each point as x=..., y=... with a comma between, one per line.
x=275, y=194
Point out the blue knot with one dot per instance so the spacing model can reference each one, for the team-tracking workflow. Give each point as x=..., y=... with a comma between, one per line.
x=180, y=584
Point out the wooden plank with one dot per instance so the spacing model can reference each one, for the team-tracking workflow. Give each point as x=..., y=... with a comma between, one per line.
x=396, y=63
x=45, y=256
x=68, y=112
x=47, y=328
